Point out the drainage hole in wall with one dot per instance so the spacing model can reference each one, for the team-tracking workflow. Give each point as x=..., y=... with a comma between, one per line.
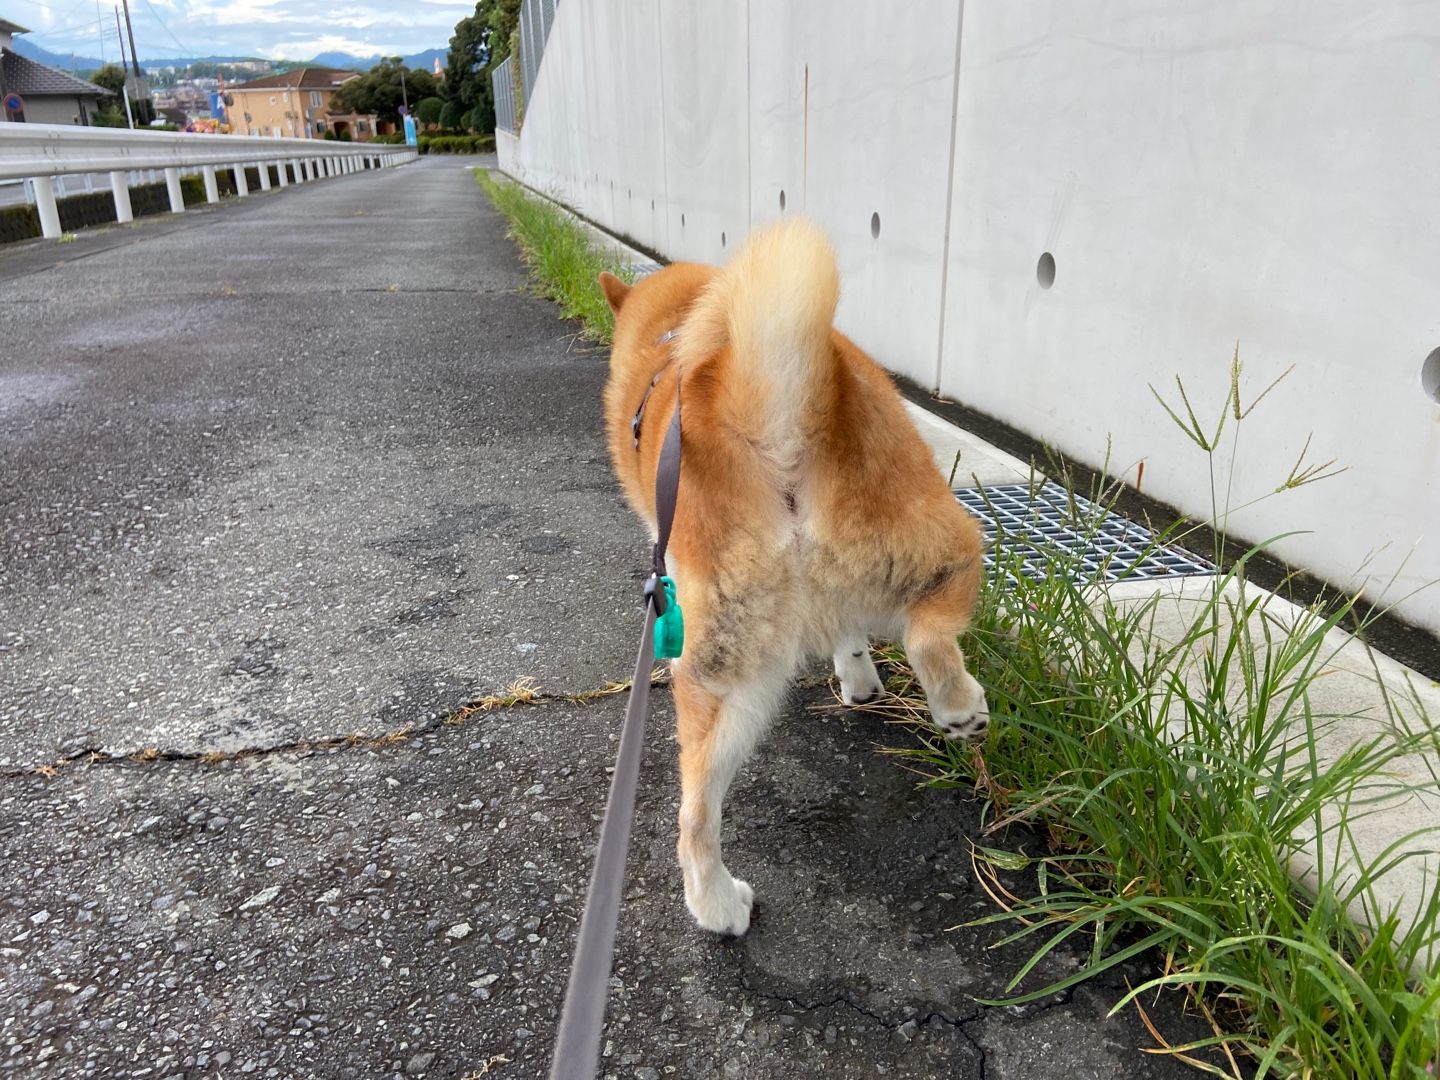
x=875, y=225
x=782, y=200
x=652, y=204
x=682, y=221
x=722, y=239
x=1430, y=376
x=1045, y=270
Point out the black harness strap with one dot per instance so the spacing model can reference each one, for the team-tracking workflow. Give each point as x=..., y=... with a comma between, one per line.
x=577, y=1042
x=639, y=417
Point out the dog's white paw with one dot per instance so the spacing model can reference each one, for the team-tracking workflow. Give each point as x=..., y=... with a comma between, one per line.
x=966, y=723
x=853, y=695
x=859, y=681
x=724, y=907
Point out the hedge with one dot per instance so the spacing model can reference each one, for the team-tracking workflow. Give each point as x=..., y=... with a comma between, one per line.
x=457, y=144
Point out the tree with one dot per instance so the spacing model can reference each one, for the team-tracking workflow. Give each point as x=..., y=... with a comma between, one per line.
x=480, y=42
x=428, y=111
x=450, y=116
x=380, y=91
x=111, y=78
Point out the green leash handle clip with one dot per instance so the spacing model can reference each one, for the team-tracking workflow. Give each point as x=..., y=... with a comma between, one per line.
x=669, y=624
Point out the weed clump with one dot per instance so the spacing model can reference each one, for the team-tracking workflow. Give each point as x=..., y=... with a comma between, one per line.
x=563, y=262
x=1186, y=784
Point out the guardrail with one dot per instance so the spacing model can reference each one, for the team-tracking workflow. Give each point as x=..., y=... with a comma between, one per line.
x=40, y=152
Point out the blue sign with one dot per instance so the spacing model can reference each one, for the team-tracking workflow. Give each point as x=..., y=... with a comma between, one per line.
x=14, y=103
x=411, y=137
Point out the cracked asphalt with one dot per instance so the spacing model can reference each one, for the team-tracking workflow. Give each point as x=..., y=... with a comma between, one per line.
x=313, y=465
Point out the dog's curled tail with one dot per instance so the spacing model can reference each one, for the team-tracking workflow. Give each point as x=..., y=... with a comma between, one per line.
x=774, y=305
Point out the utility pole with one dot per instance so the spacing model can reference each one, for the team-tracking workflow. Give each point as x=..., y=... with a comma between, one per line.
x=404, y=96
x=124, y=92
x=141, y=98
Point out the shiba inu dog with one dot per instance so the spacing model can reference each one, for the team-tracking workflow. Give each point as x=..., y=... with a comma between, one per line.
x=811, y=515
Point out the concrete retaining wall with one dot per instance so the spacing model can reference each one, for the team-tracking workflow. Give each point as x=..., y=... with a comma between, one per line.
x=1200, y=176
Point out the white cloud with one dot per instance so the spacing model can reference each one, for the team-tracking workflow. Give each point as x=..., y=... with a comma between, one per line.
x=276, y=29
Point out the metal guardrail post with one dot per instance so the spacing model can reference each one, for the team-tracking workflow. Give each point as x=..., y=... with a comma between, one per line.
x=120, y=189
x=45, y=204
x=264, y=169
x=177, y=194
x=212, y=189
x=280, y=167
x=242, y=185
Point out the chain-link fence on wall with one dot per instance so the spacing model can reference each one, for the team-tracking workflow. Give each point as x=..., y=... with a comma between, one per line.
x=503, y=80
x=536, y=17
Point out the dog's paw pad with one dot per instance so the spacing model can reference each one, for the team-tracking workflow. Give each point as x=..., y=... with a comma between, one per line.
x=963, y=727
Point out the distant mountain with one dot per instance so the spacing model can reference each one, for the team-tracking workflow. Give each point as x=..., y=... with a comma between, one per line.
x=63, y=61
x=77, y=62
x=67, y=62
x=424, y=60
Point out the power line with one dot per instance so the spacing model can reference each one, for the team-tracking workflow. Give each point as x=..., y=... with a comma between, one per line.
x=166, y=27
x=67, y=28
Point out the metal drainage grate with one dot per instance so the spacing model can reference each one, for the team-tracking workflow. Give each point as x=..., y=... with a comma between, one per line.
x=1045, y=523
x=644, y=269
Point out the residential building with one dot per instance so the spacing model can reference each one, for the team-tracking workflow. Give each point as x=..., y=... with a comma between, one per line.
x=295, y=104
x=47, y=95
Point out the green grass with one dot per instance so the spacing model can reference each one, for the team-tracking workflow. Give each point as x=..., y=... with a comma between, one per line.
x=1171, y=805
x=563, y=262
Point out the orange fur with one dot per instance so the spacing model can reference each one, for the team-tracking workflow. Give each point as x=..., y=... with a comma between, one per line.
x=810, y=514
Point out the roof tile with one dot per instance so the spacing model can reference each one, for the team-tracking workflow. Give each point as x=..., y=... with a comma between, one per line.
x=310, y=78
x=23, y=76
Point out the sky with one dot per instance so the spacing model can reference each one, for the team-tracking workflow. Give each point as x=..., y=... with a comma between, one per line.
x=275, y=29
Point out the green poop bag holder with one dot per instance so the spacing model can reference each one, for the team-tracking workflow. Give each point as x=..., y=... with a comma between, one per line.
x=660, y=586
x=669, y=619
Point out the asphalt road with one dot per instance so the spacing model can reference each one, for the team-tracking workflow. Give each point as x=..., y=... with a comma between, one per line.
x=313, y=465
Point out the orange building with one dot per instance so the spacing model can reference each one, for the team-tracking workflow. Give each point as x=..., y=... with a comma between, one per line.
x=296, y=104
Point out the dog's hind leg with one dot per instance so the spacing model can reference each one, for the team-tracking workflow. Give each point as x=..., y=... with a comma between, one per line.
x=859, y=681
x=717, y=734
x=956, y=700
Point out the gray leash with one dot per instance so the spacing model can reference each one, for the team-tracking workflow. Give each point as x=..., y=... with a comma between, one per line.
x=577, y=1042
